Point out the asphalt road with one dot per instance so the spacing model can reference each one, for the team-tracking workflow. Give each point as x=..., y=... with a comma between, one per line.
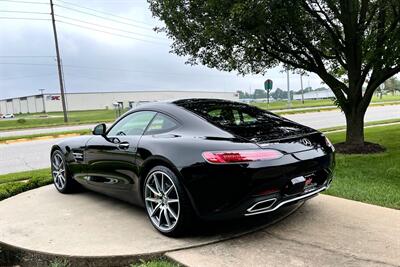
x=35, y=155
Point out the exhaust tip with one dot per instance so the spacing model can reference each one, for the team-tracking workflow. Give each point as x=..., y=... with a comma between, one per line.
x=262, y=205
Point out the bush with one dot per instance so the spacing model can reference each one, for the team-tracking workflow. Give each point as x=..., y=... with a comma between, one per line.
x=21, y=121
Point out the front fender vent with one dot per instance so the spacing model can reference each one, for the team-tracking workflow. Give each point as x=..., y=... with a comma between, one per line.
x=78, y=156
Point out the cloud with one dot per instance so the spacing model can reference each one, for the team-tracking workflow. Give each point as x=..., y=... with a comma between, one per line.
x=97, y=61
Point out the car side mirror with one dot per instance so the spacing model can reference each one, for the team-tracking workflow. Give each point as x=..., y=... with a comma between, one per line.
x=99, y=129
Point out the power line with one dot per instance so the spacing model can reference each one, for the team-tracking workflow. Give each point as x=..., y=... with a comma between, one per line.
x=101, y=17
x=108, y=27
x=116, y=34
x=109, y=69
x=23, y=12
x=26, y=56
x=24, y=2
x=23, y=18
x=26, y=64
x=106, y=13
x=24, y=77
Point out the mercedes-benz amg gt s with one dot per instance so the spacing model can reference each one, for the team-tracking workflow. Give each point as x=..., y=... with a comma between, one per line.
x=197, y=158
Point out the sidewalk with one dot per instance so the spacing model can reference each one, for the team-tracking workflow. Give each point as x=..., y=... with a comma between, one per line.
x=327, y=231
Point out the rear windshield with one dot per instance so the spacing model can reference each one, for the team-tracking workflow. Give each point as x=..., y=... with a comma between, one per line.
x=244, y=120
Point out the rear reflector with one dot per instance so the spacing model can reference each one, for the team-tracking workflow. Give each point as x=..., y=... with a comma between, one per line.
x=241, y=156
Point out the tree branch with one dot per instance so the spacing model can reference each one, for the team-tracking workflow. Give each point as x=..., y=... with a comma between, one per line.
x=375, y=81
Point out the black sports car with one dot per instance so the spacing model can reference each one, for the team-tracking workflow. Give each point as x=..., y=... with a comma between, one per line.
x=197, y=158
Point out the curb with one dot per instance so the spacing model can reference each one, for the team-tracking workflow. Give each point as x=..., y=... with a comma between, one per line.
x=38, y=138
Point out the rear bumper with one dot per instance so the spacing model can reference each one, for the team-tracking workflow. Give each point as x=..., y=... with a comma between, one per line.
x=229, y=191
x=277, y=204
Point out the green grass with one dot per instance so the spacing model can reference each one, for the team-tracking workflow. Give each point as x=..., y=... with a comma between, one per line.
x=370, y=123
x=316, y=103
x=15, y=183
x=155, y=263
x=57, y=119
x=33, y=136
x=375, y=178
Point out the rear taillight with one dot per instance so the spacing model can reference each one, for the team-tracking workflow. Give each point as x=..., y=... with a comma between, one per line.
x=241, y=156
x=329, y=143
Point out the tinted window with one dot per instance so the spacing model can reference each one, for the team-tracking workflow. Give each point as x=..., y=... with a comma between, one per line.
x=161, y=124
x=132, y=124
x=243, y=120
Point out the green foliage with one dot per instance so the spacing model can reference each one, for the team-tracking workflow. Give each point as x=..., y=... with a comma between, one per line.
x=15, y=183
x=59, y=263
x=155, y=263
x=373, y=179
x=346, y=43
x=21, y=121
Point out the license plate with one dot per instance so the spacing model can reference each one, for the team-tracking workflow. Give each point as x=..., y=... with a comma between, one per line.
x=298, y=180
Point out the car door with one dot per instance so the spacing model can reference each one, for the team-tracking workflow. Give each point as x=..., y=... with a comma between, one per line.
x=111, y=167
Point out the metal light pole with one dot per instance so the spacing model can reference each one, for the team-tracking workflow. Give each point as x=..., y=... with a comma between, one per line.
x=288, y=90
x=302, y=92
x=60, y=76
x=43, y=103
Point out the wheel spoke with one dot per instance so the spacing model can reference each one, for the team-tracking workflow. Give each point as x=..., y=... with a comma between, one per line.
x=157, y=183
x=159, y=219
x=153, y=190
x=172, y=213
x=155, y=209
x=55, y=163
x=167, y=218
x=172, y=200
x=62, y=178
x=151, y=199
x=162, y=182
x=169, y=190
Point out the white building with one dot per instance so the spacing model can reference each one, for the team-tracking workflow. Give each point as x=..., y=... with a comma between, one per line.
x=99, y=100
x=323, y=94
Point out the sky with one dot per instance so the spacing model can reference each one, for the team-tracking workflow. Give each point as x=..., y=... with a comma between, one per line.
x=133, y=58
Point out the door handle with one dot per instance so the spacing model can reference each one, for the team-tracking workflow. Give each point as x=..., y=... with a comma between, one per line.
x=123, y=145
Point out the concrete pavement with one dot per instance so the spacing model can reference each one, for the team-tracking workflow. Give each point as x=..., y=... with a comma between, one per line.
x=90, y=228
x=27, y=156
x=326, y=231
x=326, y=119
x=35, y=154
x=93, y=230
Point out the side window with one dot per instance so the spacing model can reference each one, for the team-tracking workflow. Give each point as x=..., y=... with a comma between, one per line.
x=161, y=124
x=132, y=124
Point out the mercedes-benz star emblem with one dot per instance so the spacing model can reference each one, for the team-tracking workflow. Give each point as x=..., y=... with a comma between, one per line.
x=306, y=142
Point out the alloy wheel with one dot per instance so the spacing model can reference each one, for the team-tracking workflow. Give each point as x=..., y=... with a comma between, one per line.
x=162, y=201
x=58, y=171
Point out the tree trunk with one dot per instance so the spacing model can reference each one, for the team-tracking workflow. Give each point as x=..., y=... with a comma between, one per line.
x=355, y=127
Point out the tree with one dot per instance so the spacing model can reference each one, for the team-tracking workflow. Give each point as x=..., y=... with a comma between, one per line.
x=347, y=43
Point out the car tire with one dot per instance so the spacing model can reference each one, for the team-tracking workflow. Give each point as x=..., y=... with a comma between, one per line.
x=62, y=178
x=167, y=205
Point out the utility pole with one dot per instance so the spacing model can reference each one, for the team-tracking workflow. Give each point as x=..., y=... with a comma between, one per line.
x=302, y=92
x=43, y=103
x=60, y=77
x=288, y=90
